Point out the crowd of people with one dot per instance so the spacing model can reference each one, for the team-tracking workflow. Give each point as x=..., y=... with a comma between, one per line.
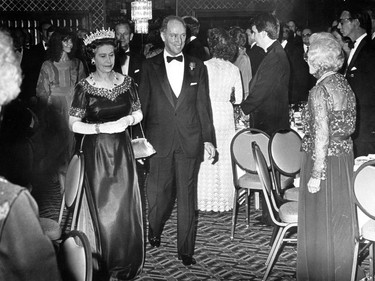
x=92, y=90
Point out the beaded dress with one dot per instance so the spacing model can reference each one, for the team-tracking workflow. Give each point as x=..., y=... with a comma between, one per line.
x=111, y=181
x=325, y=219
x=215, y=181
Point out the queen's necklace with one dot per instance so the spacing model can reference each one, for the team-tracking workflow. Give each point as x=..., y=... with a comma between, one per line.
x=114, y=81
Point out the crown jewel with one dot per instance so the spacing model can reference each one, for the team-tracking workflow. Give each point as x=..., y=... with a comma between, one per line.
x=99, y=34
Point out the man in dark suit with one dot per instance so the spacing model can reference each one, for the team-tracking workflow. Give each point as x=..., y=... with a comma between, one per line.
x=255, y=53
x=127, y=61
x=193, y=46
x=178, y=122
x=268, y=90
x=360, y=73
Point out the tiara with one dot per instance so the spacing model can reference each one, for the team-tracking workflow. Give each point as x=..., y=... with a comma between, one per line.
x=99, y=34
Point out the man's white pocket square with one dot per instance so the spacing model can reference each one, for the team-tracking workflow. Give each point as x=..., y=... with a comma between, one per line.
x=353, y=68
x=193, y=83
x=137, y=70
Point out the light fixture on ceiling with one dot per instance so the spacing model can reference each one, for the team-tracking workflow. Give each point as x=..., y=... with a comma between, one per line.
x=141, y=13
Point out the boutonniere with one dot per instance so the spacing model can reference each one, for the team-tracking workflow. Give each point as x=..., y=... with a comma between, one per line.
x=192, y=65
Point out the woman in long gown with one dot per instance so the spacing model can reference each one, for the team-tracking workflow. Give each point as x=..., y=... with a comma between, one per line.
x=326, y=216
x=215, y=181
x=104, y=105
x=58, y=76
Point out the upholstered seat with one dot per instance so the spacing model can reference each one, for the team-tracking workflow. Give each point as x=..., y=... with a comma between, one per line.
x=51, y=228
x=368, y=230
x=288, y=212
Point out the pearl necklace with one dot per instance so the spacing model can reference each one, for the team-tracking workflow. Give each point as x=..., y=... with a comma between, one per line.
x=114, y=81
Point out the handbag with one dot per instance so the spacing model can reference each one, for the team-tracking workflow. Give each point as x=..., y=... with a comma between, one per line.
x=141, y=146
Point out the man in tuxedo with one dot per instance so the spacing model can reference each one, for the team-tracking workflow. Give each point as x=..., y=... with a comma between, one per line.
x=295, y=39
x=178, y=122
x=193, y=46
x=268, y=90
x=360, y=73
x=127, y=61
x=255, y=53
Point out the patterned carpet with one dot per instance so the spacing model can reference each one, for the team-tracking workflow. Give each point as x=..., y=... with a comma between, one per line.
x=217, y=257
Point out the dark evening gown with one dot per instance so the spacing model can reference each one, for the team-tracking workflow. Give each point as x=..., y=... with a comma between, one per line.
x=326, y=219
x=111, y=181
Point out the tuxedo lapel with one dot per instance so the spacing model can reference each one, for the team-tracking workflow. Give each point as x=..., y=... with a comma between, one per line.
x=361, y=45
x=162, y=76
x=185, y=82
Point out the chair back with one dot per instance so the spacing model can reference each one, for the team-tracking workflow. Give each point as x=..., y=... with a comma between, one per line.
x=285, y=152
x=240, y=147
x=76, y=258
x=364, y=188
x=265, y=179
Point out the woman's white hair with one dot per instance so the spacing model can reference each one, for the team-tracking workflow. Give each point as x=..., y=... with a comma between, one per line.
x=10, y=71
x=325, y=53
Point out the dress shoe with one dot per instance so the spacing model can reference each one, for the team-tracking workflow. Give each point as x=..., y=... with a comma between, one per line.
x=154, y=241
x=187, y=259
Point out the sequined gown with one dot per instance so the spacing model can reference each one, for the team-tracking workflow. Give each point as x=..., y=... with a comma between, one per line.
x=111, y=181
x=215, y=182
x=325, y=219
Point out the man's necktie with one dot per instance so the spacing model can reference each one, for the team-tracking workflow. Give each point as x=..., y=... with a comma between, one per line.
x=178, y=58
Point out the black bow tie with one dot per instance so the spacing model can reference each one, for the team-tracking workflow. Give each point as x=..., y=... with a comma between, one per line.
x=351, y=44
x=178, y=58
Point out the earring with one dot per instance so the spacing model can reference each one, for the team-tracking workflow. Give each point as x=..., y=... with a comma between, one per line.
x=92, y=61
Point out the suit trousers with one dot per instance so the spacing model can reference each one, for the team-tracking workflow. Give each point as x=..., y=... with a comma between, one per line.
x=171, y=176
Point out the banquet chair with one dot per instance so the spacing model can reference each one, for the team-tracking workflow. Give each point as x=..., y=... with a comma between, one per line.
x=364, y=194
x=284, y=150
x=245, y=178
x=73, y=248
x=285, y=218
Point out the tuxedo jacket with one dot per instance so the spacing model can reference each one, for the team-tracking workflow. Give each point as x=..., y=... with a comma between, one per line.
x=268, y=92
x=188, y=119
x=135, y=64
x=256, y=55
x=360, y=74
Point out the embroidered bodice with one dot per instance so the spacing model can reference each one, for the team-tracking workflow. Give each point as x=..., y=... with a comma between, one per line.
x=98, y=105
x=328, y=121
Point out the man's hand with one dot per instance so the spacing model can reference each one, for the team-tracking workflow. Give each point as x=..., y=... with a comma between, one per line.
x=209, y=147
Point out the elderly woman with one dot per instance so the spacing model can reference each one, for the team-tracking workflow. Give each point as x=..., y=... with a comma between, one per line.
x=325, y=215
x=25, y=252
x=215, y=188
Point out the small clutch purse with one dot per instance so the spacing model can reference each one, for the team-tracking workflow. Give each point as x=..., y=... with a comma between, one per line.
x=141, y=147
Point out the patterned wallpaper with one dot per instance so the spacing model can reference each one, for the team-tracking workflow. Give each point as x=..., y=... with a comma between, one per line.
x=96, y=7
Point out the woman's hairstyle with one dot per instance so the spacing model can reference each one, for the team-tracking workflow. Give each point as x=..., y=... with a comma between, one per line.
x=238, y=36
x=55, y=47
x=220, y=44
x=92, y=47
x=325, y=53
x=10, y=71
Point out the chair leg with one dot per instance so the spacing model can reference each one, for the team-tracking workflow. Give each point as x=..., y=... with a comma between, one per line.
x=277, y=238
x=276, y=247
x=371, y=260
x=355, y=261
x=256, y=198
x=247, y=208
x=274, y=233
x=234, y=215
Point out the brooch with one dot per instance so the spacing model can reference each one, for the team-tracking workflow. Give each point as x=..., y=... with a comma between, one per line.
x=192, y=65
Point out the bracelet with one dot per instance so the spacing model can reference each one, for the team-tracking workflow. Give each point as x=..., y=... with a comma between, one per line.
x=97, y=130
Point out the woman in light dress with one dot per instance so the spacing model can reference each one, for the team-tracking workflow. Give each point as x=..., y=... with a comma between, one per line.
x=215, y=180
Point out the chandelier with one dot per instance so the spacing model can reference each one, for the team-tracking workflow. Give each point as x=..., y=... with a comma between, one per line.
x=141, y=12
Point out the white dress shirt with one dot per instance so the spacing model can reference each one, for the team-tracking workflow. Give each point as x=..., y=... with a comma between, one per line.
x=175, y=72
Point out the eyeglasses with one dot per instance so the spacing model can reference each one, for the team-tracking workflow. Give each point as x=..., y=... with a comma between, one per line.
x=306, y=35
x=341, y=21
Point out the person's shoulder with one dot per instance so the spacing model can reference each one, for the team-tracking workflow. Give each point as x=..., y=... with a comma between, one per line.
x=9, y=192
